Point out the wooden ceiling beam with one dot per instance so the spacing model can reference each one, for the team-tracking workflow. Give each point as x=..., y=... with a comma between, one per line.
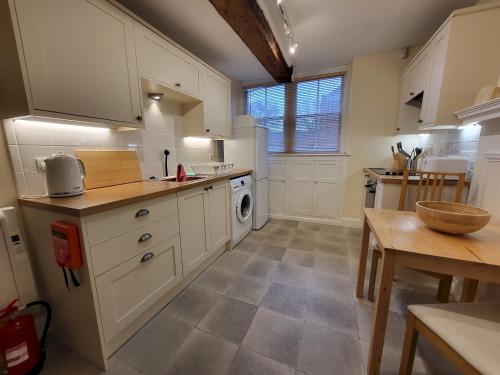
x=248, y=21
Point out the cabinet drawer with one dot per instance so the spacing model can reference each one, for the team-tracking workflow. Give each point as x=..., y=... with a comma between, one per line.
x=109, y=224
x=128, y=290
x=108, y=254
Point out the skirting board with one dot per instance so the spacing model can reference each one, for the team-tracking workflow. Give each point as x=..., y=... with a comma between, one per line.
x=306, y=218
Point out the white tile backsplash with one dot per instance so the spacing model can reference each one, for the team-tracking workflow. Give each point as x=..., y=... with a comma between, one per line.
x=163, y=130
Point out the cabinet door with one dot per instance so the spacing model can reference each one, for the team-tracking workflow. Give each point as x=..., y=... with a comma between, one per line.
x=301, y=185
x=129, y=289
x=277, y=186
x=218, y=211
x=217, y=104
x=80, y=58
x=325, y=197
x=439, y=48
x=408, y=115
x=194, y=227
x=162, y=62
x=418, y=75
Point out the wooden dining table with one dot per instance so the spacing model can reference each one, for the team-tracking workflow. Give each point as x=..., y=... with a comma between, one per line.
x=406, y=242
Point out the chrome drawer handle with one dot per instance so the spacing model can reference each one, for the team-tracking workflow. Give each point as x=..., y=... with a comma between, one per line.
x=145, y=237
x=146, y=257
x=142, y=212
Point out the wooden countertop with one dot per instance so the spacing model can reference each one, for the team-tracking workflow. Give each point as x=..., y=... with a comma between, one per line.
x=398, y=180
x=102, y=199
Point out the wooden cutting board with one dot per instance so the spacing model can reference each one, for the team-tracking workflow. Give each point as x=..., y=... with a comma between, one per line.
x=107, y=168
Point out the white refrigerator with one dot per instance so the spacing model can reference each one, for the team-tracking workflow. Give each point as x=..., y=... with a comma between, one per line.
x=248, y=149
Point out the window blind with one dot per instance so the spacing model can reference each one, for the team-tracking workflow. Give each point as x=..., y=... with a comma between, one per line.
x=301, y=116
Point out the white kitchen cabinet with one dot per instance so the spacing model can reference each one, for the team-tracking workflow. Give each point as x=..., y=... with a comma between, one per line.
x=300, y=193
x=80, y=60
x=160, y=61
x=212, y=117
x=194, y=227
x=128, y=290
x=217, y=104
x=326, y=176
x=219, y=215
x=204, y=223
x=277, y=186
x=408, y=115
x=459, y=59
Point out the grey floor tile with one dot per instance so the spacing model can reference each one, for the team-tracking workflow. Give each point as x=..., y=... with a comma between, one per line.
x=391, y=359
x=150, y=349
x=258, y=236
x=232, y=261
x=62, y=360
x=277, y=240
x=229, y=319
x=248, y=289
x=269, y=227
x=326, y=351
x=202, y=354
x=214, y=280
x=275, y=335
x=283, y=231
x=271, y=252
x=302, y=244
x=340, y=314
x=334, y=264
x=395, y=331
x=293, y=275
x=191, y=305
x=261, y=267
x=286, y=299
x=306, y=234
x=315, y=227
x=288, y=224
x=336, y=285
x=250, y=363
x=332, y=247
x=298, y=258
x=248, y=245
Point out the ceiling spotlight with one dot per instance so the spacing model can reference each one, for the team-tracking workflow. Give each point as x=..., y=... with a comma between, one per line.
x=293, y=48
x=279, y=1
x=155, y=96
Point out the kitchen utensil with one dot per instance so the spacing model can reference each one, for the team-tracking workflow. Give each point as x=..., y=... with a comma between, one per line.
x=107, y=168
x=401, y=151
x=392, y=149
x=453, y=218
x=64, y=174
x=166, y=152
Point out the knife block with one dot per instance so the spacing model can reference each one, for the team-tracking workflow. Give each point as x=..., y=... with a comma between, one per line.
x=399, y=161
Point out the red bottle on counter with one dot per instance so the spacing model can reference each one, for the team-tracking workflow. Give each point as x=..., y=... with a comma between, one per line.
x=181, y=174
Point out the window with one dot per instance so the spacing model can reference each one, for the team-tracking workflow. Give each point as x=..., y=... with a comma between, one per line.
x=301, y=116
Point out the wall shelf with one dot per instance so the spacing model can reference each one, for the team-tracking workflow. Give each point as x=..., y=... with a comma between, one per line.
x=481, y=112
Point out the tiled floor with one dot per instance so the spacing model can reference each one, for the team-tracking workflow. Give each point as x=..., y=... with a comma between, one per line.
x=282, y=302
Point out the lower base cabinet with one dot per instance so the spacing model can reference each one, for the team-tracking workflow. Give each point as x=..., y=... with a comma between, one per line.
x=204, y=222
x=129, y=289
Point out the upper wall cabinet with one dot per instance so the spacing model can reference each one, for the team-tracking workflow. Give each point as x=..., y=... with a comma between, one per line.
x=160, y=61
x=447, y=74
x=217, y=103
x=78, y=60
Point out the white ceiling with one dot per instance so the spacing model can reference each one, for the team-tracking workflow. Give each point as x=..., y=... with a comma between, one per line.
x=329, y=32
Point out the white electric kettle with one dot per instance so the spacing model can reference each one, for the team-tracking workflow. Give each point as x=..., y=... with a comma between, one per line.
x=64, y=175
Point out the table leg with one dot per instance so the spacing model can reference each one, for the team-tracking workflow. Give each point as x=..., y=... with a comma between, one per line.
x=469, y=290
x=381, y=313
x=363, y=257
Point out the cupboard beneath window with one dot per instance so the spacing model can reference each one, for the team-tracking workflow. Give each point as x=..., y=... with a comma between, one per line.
x=308, y=187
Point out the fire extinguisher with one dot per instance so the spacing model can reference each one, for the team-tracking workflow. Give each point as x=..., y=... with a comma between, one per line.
x=20, y=350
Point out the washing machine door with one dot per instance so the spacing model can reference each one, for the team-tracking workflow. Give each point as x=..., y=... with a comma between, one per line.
x=244, y=206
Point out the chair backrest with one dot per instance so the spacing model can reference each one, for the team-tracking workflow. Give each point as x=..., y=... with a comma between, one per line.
x=431, y=186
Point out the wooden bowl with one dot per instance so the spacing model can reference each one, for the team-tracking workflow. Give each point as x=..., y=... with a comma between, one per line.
x=454, y=218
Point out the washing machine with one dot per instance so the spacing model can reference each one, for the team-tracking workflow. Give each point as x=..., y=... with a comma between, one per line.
x=242, y=206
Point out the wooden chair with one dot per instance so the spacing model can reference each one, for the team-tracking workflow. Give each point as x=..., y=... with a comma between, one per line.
x=467, y=334
x=432, y=183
